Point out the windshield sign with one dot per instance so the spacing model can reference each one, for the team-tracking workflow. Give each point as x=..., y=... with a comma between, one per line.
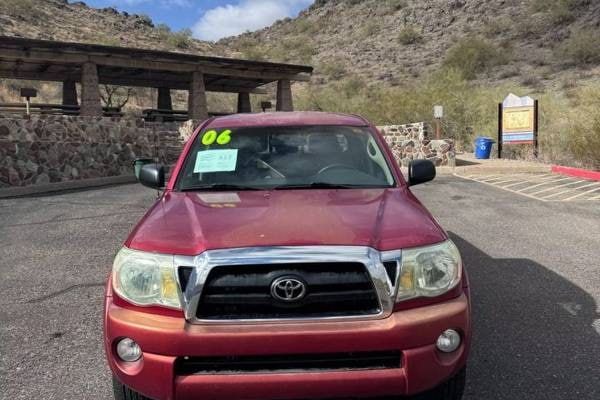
x=267, y=158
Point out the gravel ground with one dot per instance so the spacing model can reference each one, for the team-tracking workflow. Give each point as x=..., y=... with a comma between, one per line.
x=533, y=268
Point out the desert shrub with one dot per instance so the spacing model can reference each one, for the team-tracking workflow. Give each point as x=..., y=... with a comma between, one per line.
x=307, y=26
x=497, y=26
x=146, y=19
x=104, y=40
x=335, y=70
x=370, y=28
x=473, y=55
x=582, y=47
x=298, y=49
x=559, y=11
x=409, y=35
x=250, y=48
x=584, y=134
x=395, y=5
x=180, y=39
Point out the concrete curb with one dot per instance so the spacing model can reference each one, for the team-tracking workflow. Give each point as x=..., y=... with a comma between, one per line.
x=19, y=191
x=576, y=172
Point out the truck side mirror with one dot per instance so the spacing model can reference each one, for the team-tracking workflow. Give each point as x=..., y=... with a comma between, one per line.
x=153, y=176
x=420, y=171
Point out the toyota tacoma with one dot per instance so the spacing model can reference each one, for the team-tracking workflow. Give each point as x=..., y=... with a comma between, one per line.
x=286, y=258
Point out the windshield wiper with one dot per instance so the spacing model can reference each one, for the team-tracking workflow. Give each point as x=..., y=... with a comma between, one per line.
x=322, y=185
x=219, y=186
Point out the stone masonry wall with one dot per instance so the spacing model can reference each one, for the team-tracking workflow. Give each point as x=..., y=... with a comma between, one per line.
x=52, y=148
x=46, y=148
x=413, y=141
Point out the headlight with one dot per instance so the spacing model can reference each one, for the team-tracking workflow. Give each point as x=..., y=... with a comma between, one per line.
x=146, y=279
x=429, y=271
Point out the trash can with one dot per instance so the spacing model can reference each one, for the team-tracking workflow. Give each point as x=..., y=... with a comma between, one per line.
x=483, y=147
x=139, y=163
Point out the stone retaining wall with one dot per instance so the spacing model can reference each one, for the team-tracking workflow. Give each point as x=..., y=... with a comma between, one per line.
x=46, y=149
x=50, y=148
x=413, y=141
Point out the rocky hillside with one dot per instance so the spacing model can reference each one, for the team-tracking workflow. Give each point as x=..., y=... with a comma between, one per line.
x=76, y=22
x=533, y=42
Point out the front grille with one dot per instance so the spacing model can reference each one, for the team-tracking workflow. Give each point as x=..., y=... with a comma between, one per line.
x=287, y=362
x=244, y=292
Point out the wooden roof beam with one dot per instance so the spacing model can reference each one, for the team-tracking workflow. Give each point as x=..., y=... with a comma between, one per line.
x=62, y=77
x=118, y=61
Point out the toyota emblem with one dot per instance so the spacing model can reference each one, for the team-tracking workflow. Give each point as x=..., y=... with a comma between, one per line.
x=288, y=289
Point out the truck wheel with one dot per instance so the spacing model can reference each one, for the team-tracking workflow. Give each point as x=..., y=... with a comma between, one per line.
x=450, y=390
x=123, y=392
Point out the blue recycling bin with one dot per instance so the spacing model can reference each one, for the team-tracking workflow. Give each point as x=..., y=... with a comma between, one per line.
x=483, y=147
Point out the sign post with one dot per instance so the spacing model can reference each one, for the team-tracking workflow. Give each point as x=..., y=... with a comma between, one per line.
x=438, y=114
x=28, y=93
x=518, y=122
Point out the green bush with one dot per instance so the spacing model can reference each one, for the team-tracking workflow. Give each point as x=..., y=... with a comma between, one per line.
x=333, y=69
x=370, y=28
x=172, y=39
x=395, y=5
x=146, y=19
x=559, y=11
x=250, y=48
x=409, y=35
x=473, y=55
x=582, y=47
x=297, y=49
x=584, y=135
x=497, y=26
x=307, y=26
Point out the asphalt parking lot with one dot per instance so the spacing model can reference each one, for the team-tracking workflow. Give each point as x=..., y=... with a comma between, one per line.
x=533, y=265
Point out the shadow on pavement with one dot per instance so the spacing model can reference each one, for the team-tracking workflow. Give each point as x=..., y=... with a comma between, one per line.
x=533, y=334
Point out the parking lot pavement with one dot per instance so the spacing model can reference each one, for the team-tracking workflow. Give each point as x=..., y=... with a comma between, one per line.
x=533, y=268
x=542, y=186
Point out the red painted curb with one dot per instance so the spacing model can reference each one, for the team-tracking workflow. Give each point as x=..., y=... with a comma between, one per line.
x=577, y=172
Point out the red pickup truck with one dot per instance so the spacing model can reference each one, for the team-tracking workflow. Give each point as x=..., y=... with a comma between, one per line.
x=287, y=259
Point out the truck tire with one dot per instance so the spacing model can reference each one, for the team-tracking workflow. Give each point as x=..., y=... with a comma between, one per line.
x=123, y=392
x=452, y=389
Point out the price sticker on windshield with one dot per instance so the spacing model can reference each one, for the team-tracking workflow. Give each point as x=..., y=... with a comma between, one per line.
x=216, y=161
x=212, y=136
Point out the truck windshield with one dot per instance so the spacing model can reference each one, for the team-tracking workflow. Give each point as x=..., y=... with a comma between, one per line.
x=285, y=157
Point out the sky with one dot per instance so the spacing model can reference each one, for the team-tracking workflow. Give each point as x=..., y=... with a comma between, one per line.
x=210, y=19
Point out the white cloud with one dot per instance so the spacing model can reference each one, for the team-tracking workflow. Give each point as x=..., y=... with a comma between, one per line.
x=247, y=15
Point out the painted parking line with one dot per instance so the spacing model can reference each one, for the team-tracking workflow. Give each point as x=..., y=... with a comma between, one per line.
x=555, y=187
x=542, y=184
x=528, y=179
x=595, y=198
x=577, y=188
x=542, y=187
x=586, y=192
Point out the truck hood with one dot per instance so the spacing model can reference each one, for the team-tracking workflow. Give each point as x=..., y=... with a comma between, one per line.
x=188, y=223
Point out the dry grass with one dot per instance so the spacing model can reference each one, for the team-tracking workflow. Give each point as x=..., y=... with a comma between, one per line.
x=569, y=125
x=473, y=55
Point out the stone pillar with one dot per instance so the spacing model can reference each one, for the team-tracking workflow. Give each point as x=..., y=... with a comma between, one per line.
x=244, y=105
x=91, y=105
x=69, y=94
x=284, y=96
x=197, y=108
x=164, y=99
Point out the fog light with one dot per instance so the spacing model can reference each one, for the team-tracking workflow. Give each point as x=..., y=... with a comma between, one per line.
x=128, y=350
x=448, y=341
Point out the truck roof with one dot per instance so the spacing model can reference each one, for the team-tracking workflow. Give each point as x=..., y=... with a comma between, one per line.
x=297, y=118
